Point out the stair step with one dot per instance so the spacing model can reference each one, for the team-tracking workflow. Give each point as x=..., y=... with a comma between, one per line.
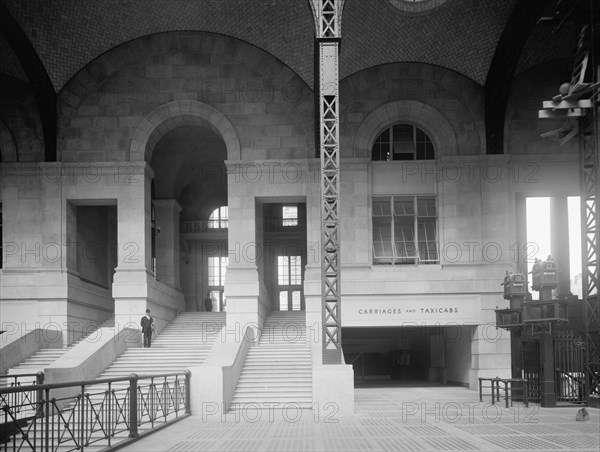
x=279, y=368
x=274, y=364
x=183, y=343
x=256, y=387
x=272, y=397
x=282, y=378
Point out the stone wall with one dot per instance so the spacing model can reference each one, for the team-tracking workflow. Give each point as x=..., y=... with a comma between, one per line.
x=269, y=106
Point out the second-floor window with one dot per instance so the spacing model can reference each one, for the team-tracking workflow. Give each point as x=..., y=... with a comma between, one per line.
x=219, y=219
x=402, y=142
x=405, y=230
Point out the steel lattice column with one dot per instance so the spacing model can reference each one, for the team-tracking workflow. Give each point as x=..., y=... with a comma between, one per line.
x=328, y=15
x=589, y=225
x=589, y=150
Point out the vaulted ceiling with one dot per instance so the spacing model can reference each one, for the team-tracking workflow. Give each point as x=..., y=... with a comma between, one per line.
x=44, y=43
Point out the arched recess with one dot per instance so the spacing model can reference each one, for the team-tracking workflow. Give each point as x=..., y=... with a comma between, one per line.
x=412, y=112
x=523, y=19
x=38, y=77
x=181, y=113
x=8, y=147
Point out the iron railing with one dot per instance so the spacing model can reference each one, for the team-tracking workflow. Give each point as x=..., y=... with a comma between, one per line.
x=73, y=416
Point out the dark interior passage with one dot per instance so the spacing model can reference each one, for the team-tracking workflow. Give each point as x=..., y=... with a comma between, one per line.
x=403, y=355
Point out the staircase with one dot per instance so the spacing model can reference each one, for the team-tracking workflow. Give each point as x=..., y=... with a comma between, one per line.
x=44, y=357
x=278, y=370
x=184, y=343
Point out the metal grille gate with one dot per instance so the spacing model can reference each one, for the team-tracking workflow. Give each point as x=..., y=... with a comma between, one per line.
x=569, y=380
x=531, y=369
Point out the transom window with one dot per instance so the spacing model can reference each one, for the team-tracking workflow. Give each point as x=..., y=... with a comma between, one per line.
x=405, y=230
x=219, y=219
x=290, y=216
x=402, y=142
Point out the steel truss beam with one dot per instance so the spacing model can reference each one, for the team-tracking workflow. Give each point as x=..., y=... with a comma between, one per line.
x=328, y=20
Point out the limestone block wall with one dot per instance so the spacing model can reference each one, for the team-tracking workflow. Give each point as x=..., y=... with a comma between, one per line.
x=268, y=104
x=40, y=282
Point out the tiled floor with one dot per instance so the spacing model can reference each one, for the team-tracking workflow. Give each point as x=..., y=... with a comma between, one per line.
x=386, y=419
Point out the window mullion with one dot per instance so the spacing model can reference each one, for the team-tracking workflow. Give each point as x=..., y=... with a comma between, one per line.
x=414, y=136
x=416, y=226
x=391, y=143
x=393, y=235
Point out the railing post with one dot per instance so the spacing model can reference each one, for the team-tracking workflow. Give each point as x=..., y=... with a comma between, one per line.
x=47, y=420
x=39, y=378
x=82, y=417
x=133, y=406
x=107, y=394
x=151, y=402
x=188, y=392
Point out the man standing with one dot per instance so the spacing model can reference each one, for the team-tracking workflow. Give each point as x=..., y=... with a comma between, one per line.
x=147, y=327
x=208, y=302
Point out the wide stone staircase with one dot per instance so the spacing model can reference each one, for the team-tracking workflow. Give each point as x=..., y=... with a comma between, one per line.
x=184, y=343
x=278, y=370
x=44, y=357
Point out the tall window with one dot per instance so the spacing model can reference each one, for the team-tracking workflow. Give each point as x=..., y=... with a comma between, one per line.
x=405, y=230
x=219, y=219
x=217, y=267
x=402, y=142
x=289, y=281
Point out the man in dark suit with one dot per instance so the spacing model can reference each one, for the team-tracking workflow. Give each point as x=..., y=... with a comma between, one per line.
x=147, y=327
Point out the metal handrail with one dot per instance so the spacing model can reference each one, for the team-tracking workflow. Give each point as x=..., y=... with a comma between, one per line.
x=72, y=416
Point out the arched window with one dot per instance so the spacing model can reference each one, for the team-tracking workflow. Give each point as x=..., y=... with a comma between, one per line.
x=219, y=218
x=402, y=142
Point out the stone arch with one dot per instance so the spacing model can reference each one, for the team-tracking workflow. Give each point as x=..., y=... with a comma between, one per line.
x=180, y=113
x=8, y=147
x=412, y=112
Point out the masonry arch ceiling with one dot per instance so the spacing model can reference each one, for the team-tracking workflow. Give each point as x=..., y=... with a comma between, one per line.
x=192, y=64
x=65, y=36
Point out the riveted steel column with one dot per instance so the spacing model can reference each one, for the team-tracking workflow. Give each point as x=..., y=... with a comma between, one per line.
x=327, y=16
x=589, y=148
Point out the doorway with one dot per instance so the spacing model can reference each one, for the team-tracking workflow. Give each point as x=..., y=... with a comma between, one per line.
x=285, y=245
